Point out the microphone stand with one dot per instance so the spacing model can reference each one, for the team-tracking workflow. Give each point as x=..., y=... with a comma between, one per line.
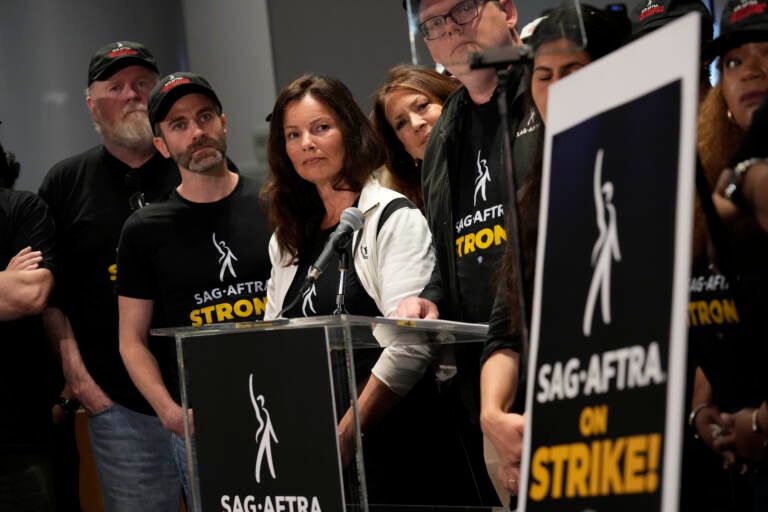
x=343, y=268
x=501, y=59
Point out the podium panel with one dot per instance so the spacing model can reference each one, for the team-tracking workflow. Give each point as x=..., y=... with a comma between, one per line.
x=264, y=402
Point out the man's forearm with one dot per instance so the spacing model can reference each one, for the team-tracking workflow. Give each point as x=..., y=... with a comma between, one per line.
x=145, y=373
x=62, y=340
x=24, y=292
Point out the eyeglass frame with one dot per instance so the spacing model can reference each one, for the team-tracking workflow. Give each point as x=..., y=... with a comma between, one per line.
x=450, y=14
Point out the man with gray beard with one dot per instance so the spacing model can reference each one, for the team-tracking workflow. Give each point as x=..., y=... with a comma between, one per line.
x=90, y=196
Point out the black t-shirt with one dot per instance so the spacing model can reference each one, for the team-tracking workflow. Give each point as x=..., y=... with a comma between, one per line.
x=88, y=195
x=320, y=298
x=724, y=340
x=201, y=263
x=27, y=365
x=479, y=232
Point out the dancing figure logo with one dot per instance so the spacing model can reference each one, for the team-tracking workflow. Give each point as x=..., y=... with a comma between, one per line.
x=605, y=251
x=265, y=433
x=226, y=257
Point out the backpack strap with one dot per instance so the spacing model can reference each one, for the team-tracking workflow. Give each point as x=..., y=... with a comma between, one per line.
x=392, y=207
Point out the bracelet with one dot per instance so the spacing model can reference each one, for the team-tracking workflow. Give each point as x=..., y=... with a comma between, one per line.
x=733, y=189
x=755, y=424
x=695, y=411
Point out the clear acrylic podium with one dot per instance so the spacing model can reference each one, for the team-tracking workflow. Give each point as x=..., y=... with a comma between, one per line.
x=267, y=398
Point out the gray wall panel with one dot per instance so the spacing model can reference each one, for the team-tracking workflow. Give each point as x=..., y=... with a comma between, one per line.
x=45, y=47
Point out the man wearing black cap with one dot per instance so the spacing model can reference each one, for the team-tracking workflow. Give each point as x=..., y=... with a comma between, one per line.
x=200, y=257
x=90, y=196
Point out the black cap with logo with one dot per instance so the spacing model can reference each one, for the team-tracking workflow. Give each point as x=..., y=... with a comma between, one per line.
x=112, y=57
x=172, y=87
x=649, y=15
x=743, y=21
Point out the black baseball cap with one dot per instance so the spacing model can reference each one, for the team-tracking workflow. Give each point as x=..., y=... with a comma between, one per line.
x=172, y=87
x=112, y=57
x=743, y=21
x=648, y=15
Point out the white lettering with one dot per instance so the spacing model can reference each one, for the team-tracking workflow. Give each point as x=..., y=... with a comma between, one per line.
x=624, y=368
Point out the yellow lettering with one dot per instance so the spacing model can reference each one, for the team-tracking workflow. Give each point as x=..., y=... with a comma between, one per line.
x=499, y=235
x=692, y=320
x=243, y=308
x=559, y=455
x=716, y=311
x=731, y=313
x=194, y=315
x=703, y=313
x=595, y=479
x=259, y=306
x=625, y=465
x=578, y=471
x=610, y=481
x=484, y=238
x=539, y=475
x=652, y=475
x=469, y=243
x=224, y=312
x=593, y=421
x=634, y=464
x=206, y=311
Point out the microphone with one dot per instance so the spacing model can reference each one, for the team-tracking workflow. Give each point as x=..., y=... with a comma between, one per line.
x=500, y=58
x=351, y=220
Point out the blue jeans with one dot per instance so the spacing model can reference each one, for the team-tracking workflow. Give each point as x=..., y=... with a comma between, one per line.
x=180, y=452
x=135, y=461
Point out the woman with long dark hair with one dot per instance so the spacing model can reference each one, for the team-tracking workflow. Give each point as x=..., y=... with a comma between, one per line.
x=322, y=152
x=404, y=111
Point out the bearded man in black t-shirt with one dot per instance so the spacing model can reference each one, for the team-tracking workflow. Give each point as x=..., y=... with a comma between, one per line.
x=201, y=257
x=90, y=196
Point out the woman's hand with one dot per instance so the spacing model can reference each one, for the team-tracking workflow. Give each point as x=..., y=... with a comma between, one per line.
x=346, y=433
x=740, y=437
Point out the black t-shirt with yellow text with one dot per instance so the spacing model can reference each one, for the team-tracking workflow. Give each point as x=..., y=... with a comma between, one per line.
x=89, y=198
x=479, y=232
x=201, y=263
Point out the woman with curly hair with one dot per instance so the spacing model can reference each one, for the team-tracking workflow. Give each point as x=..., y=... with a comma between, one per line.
x=730, y=248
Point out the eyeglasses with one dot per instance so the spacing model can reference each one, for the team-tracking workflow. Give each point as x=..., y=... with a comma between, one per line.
x=133, y=181
x=461, y=14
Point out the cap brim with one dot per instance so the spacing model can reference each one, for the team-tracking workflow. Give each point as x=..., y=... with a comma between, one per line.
x=121, y=63
x=729, y=41
x=172, y=96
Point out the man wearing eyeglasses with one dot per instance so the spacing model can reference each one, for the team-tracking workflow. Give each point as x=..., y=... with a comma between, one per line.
x=90, y=196
x=463, y=174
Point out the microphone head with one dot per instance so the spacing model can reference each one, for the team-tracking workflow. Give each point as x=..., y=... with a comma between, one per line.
x=353, y=217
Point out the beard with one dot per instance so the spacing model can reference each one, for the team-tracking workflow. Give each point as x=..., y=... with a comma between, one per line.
x=212, y=156
x=132, y=131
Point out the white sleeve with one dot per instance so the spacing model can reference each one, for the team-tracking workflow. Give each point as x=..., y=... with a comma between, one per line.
x=274, y=298
x=403, y=265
